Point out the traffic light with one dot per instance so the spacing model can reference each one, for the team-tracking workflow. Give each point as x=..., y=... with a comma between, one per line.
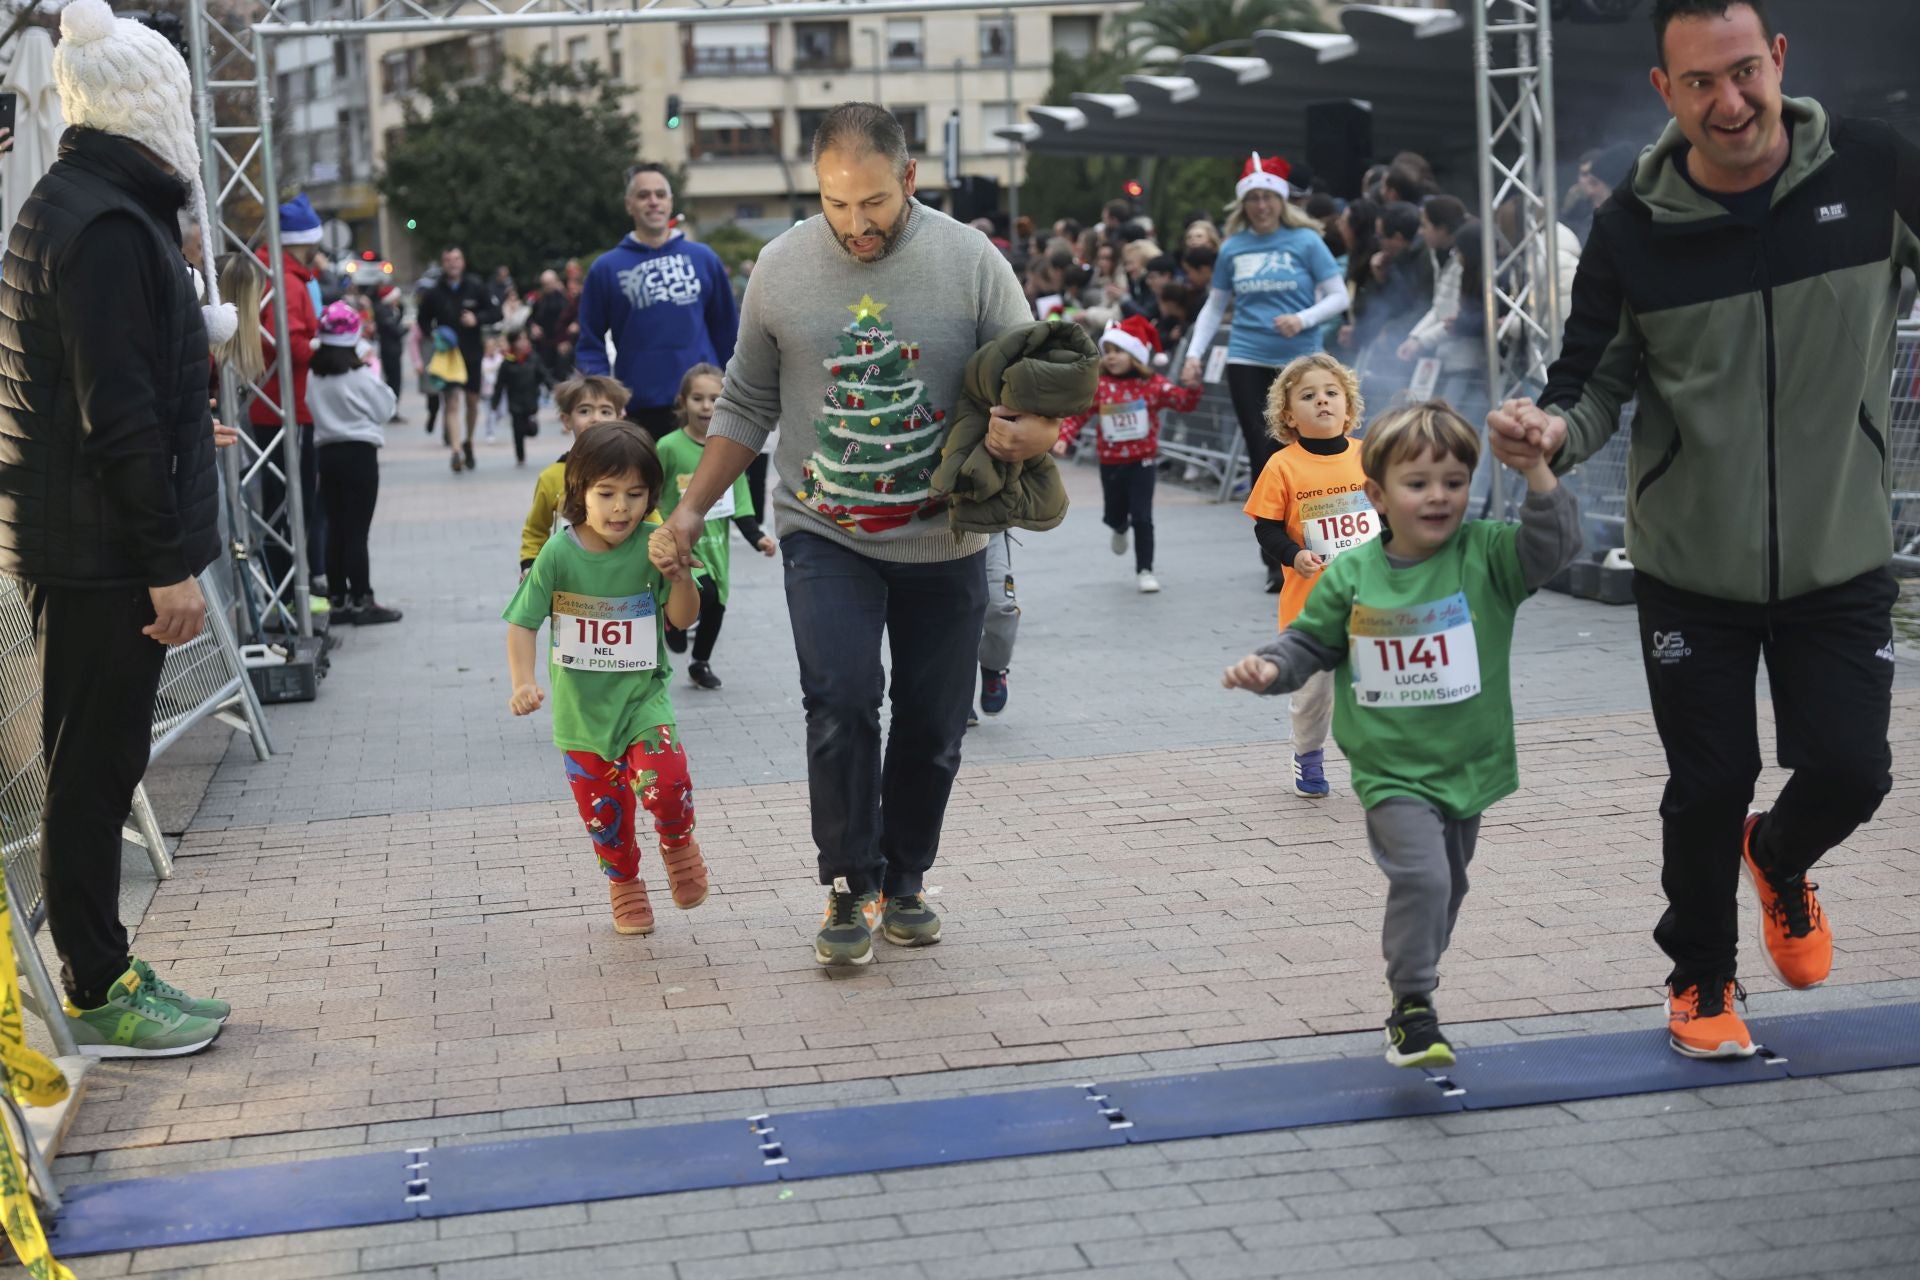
x=1134, y=189
x=673, y=111
x=412, y=225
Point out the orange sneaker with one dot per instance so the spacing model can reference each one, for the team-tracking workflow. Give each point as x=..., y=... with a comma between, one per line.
x=632, y=913
x=1701, y=1022
x=1799, y=946
x=686, y=872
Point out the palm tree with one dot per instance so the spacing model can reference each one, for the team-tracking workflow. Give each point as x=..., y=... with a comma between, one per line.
x=1163, y=32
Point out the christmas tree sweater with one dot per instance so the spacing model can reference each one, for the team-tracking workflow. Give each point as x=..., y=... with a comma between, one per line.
x=860, y=364
x=1126, y=415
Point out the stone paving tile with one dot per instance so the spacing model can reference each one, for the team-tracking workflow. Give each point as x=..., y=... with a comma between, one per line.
x=408, y=968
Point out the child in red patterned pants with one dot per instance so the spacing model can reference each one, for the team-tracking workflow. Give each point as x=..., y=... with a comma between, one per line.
x=612, y=716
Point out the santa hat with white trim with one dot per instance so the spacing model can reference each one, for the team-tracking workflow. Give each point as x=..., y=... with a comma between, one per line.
x=120, y=77
x=1269, y=174
x=1136, y=336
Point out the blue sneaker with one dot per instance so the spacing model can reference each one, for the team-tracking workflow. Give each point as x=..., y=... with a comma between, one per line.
x=1309, y=777
x=993, y=691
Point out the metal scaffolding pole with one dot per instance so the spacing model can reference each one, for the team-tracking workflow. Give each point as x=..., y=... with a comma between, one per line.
x=1513, y=100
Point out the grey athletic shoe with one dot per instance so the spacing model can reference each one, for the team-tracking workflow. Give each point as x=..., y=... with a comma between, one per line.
x=908, y=921
x=846, y=930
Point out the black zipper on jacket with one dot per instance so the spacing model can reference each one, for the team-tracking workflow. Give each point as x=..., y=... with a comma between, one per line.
x=1773, y=454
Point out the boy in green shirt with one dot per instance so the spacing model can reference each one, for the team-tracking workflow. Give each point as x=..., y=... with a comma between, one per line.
x=1419, y=624
x=612, y=715
x=680, y=453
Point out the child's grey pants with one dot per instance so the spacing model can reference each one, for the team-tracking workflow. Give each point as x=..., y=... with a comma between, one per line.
x=1003, y=607
x=1424, y=854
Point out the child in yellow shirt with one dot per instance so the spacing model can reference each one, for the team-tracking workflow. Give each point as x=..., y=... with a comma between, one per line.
x=583, y=402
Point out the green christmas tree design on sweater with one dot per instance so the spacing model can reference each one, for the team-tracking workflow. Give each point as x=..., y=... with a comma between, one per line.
x=880, y=440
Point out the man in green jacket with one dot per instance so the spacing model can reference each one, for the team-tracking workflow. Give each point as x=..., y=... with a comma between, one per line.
x=1741, y=287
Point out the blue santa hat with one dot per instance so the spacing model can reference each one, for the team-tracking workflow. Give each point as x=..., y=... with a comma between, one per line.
x=299, y=224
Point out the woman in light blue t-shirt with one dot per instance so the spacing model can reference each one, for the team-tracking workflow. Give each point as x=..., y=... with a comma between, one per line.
x=1283, y=284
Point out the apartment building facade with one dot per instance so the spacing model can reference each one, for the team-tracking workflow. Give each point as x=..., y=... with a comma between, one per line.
x=750, y=93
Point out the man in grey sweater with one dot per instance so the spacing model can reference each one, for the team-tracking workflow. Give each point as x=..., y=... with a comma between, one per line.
x=865, y=403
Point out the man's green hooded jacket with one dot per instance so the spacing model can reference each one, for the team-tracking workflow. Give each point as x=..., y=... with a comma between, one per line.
x=1760, y=357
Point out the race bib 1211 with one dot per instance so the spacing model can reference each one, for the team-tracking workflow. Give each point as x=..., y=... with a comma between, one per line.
x=1420, y=656
x=1124, y=423
x=605, y=633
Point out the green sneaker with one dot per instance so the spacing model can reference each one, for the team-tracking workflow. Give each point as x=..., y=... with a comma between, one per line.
x=135, y=1023
x=846, y=930
x=909, y=922
x=193, y=1006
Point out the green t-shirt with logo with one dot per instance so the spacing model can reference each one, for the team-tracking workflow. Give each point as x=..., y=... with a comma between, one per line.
x=680, y=456
x=1423, y=703
x=608, y=617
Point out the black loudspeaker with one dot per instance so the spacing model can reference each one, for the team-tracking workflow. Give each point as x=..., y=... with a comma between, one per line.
x=1339, y=145
x=976, y=196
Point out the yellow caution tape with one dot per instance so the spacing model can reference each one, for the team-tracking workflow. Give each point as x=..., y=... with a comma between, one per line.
x=33, y=1080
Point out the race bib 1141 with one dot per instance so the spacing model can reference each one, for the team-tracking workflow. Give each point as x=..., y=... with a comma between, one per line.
x=1337, y=522
x=1420, y=656
x=604, y=633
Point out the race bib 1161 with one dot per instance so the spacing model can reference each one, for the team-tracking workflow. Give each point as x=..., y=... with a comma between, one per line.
x=1420, y=656
x=604, y=633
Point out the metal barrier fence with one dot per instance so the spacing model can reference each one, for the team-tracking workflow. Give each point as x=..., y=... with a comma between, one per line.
x=1207, y=441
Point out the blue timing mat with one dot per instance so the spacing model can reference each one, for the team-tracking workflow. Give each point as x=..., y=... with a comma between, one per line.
x=1283, y=1096
x=365, y=1190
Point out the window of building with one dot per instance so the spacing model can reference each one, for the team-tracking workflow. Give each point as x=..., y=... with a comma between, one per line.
x=906, y=43
x=748, y=212
x=1075, y=34
x=996, y=41
x=821, y=46
x=727, y=49
x=340, y=59
x=616, y=62
x=577, y=55
x=396, y=73
x=995, y=115
x=809, y=119
x=735, y=134
x=913, y=120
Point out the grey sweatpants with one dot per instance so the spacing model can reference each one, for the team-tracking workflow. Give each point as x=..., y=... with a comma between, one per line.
x=1424, y=854
x=1003, y=609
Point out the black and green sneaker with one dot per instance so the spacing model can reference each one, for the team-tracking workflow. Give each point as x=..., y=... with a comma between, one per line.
x=908, y=921
x=193, y=1006
x=1413, y=1035
x=846, y=930
x=135, y=1023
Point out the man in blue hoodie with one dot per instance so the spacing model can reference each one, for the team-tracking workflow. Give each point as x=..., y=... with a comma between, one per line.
x=664, y=299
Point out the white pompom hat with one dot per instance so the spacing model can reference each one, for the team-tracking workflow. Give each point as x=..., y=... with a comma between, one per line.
x=120, y=77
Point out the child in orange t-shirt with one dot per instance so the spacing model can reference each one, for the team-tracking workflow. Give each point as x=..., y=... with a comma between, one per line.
x=1309, y=505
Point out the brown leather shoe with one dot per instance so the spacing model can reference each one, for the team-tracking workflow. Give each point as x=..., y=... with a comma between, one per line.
x=686, y=872
x=632, y=913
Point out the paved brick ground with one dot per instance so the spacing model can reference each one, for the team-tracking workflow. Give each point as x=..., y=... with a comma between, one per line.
x=405, y=915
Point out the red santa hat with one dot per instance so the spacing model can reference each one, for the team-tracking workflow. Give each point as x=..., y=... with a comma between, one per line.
x=1135, y=336
x=1269, y=174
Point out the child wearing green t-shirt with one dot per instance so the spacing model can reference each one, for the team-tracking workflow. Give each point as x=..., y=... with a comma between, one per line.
x=612, y=715
x=680, y=453
x=1419, y=625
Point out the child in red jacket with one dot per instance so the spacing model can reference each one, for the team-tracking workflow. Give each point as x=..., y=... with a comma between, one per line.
x=1127, y=413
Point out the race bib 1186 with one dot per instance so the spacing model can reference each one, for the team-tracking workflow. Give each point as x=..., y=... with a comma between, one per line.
x=1420, y=656
x=1337, y=522
x=604, y=633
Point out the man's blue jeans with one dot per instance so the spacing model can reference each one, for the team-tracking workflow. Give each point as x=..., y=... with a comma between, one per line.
x=877, y=821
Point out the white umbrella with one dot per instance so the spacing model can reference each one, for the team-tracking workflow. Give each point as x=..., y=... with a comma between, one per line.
x=38, y=122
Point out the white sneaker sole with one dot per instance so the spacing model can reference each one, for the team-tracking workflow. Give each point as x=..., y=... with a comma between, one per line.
x=837, y=962
x=128, y=1051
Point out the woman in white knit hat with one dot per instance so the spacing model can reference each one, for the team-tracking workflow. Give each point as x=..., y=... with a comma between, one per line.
x=1284, y=284
x=108, y=497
